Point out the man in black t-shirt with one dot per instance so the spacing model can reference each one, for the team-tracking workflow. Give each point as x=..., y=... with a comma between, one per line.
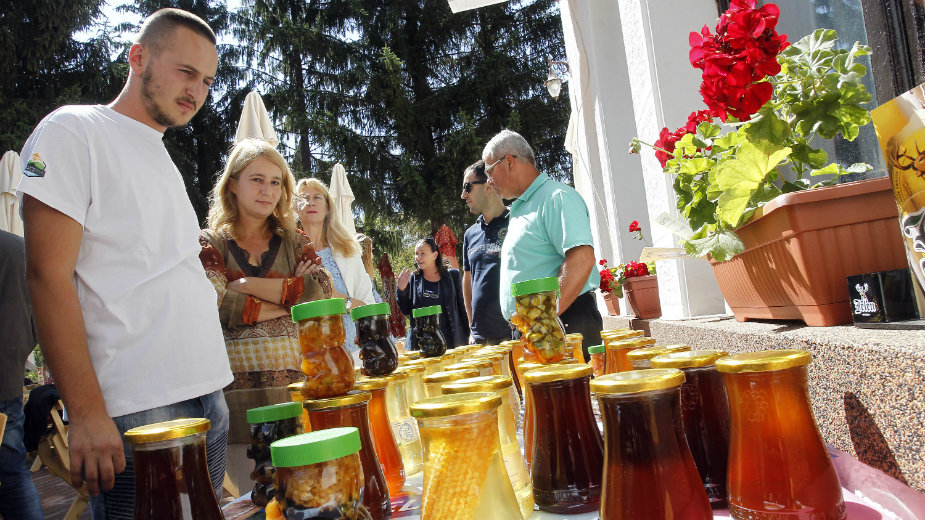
x=482, y=257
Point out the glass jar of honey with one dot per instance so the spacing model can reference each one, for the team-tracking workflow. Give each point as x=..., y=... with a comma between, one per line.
x=171, y=476
x=295, y=395
x=430, y=365
x=434, y=381
x=536, y=304
x=568, y=451
x=510, y=449
x=327, y=365
x=574, y=342
x=598, y=360
x=778, y=464
x=639, y=358
x=383, y=439
x=426, y=335
x=464, y=472
x=617, y=350
x=351, y=410
x=268, y=425
x=415, y=388
x=704, y=415
x=377, y=348
x=649, y=472
x=319, y=475
x=528, y=410
x=404, y=427
x=484, y=366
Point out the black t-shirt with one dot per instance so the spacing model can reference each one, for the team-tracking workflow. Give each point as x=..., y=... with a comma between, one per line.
x=482, y=259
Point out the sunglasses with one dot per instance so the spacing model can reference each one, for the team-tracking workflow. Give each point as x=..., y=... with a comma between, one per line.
x=467, y=186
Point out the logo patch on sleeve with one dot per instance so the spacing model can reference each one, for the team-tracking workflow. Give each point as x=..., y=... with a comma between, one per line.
x=35, y=167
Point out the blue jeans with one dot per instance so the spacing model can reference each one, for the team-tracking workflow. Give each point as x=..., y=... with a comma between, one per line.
x=18, y=497
x=119, y=502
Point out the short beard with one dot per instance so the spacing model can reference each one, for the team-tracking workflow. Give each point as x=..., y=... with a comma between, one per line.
x=151, y=106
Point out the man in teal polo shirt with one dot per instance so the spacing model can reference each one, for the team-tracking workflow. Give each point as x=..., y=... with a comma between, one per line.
x=549, y=235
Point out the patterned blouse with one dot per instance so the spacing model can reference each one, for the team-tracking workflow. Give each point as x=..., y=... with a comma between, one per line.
x=327, y=260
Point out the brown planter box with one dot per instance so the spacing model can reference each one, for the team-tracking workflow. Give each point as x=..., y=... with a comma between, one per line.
x=613, y=304
x=642, y=296
x=800, y=247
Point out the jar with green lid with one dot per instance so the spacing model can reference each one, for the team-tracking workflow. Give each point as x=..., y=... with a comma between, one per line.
x=377, y=348
x=426, y=335
x=404, y=427
x=598, y=359
x=464, y=472
x=352, y=410
x=319, y=476
x=640, y=357
x=510, y=449
x=536, y=316
x=433, y=382
x=704, y=415
x=778, y=463
x=326, y=363
x=649, y=471
x=383, y=438
x=268, y=425
x=568, y=451
x=171, y=476
x=415, y=388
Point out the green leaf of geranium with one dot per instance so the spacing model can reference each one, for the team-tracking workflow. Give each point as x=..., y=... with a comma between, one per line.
x=816, y=48
x=830, y=169
x=708, y=130
x=812, y=157
x=768, y=128
x=797, y=185
x=725, y=142
x=721, y=244
x=739, y=178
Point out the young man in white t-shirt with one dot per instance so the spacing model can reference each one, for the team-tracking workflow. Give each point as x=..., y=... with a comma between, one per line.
x=125, y=315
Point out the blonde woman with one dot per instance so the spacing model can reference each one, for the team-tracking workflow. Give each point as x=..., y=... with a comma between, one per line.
x=339, y=251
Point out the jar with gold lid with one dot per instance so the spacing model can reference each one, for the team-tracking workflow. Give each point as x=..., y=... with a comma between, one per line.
x=568, y=451
x=493, y=357
x=484, y=366
x=617, y=350
x=464, y=472
x=430, y=365
x=383, y=438
x=433, y=381
x=269, y=424
x=649, y=472
x=639, y=358
x=415, y=388
x=510, y=449
x=704, y=415
x=536, y=316
x=778, y=464
x=352, y=410
x=528, y=409
x=171, y=476
x=404, y=427
x=574, y=341
x=327, y=365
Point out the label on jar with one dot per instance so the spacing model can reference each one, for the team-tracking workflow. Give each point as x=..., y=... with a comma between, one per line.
x=405, y=431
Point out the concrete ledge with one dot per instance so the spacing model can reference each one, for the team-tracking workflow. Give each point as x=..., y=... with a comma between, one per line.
x=867, y=386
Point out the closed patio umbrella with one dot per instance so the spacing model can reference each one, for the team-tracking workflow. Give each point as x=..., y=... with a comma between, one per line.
x=255, y=122
x=343, y=197
x=10, y=174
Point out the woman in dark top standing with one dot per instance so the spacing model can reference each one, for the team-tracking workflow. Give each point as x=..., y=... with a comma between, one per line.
x=432, y=283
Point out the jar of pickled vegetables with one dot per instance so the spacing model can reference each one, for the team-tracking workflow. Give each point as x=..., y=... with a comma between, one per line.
x=326, y=363
x=433, y=382
x=426, y=335
x=510, y=449
x=649, y=472
x=597, y=359
x=536, y=304
x=574, y=342
x=464, y=473
x=295, y=395
x=268, y=425
x=404, y=427
x=171, y=476
x=415, y=388
x=383, y=439
x=319, y=475
x=778, y=463
x=352, y=410
x=640, y=357
x=377, y=348
x=568, y=451
x=704, y=415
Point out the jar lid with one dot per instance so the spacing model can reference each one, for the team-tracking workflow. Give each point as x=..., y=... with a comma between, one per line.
x=451, y=375
x=295, y=387
x=764, y=361
x=642, y=354
x=642, y=341
x=329, y=307
x=551, y=373
x=596, y=349
x=167, y=430
x=456, y=404
x=411, y=369
x=537, y=285
x=574, y=337
x=489, y=355
x=426, y=311
x=466, y=348
x=370, y=383
x=350, y=398
x=373, y=309
x=689, y=359
x=528, y=365
x=314, y=447
x=478, y=384
x=274, y=412
x=424, y=362
x=619, y=344
x=636, y=381
x=395, y=376
x=472, y=363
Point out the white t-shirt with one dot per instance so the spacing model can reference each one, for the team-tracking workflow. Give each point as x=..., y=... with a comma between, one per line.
x=149, y=310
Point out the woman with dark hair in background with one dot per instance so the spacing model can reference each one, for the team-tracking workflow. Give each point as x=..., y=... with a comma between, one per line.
x=432, y=283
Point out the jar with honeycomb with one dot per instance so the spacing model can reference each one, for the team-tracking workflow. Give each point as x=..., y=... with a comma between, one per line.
x=326, y=363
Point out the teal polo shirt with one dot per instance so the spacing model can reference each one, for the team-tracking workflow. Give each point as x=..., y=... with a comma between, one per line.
x=546, y=221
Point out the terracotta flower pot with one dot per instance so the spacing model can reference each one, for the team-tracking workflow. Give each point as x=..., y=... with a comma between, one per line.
x=800, y=247
x=613, y=304
x=642, y=296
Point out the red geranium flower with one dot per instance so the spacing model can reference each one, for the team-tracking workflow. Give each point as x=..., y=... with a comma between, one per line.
x=634, y=226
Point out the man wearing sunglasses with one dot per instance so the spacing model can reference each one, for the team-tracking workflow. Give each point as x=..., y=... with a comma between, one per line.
x=482, y=257
x=549, y=235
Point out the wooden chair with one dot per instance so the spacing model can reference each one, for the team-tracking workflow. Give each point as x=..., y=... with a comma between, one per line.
x=53, y=452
